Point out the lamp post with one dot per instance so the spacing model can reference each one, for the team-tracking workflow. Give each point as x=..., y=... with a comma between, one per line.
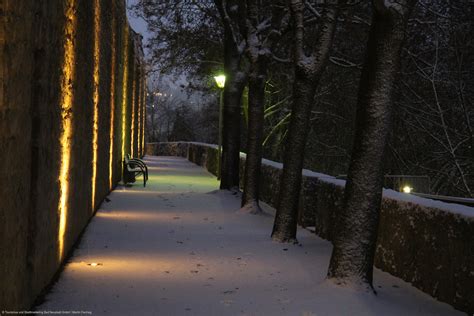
x=220, y=82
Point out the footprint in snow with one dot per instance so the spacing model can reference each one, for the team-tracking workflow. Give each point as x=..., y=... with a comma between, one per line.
x=228, y=292
x=227, y=302
x=284, y=301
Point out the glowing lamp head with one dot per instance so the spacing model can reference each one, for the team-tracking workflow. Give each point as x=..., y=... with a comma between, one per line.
x=220, y=81
x=94, y=264
x=407, y=189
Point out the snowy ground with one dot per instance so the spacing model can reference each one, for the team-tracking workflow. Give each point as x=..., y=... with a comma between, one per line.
x=178, y=247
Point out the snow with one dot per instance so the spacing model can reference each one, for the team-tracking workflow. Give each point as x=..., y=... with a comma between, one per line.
x=204, y=145
x=457, y=209
x=391, y=5
x=181, y=247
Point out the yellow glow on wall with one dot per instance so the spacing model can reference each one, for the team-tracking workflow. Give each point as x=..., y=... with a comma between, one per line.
x=124, y=89
x=112, y=102
x=66, y=99
x=139, y=120
x=132, y=138
x=95, y=125
x=144, y=114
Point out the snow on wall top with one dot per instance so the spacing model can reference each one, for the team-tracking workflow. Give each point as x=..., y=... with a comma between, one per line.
x=387, y=193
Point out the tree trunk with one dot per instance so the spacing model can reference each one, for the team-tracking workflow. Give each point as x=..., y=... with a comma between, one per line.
x=308, y=71
x=284, y=228
x=234, y=86
x=231, y=131
x=259, y=45
x=253, y=161
x=354, y=244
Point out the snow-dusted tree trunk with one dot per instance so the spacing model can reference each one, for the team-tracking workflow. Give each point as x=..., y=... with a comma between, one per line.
x=253, y=161
x=231, y=15
x=308, y=71
x=259, y=40
x=235, y=84
x=354, y=244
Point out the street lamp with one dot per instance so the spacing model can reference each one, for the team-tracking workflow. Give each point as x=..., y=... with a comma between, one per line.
x=220, y=82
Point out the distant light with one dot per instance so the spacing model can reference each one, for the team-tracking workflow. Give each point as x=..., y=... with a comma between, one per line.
x=407, y=189
x=220, y=81
x=94, y=264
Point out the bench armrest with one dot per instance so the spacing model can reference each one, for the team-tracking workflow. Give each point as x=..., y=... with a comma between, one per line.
x=142, y=163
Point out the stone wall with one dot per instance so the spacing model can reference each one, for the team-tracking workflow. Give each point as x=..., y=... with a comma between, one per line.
x=424, y=242
x=62, y=95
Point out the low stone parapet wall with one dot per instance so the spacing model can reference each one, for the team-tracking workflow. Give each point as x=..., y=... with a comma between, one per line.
x=427, y=243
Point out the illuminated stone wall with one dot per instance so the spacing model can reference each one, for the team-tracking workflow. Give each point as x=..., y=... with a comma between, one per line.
x=15, y=148
x=67, y=69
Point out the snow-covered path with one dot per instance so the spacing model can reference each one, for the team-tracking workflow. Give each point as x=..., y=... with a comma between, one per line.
x=178, y=247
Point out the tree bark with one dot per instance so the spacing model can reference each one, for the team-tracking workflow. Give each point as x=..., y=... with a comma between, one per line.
x=259, y=45
x=284, y=228
x=308, y=71
x=234, y=86
x=253, y=161
x=354, y=244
